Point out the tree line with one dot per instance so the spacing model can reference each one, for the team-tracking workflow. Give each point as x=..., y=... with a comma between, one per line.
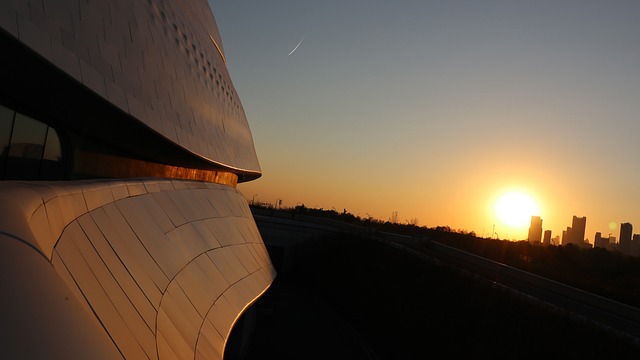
x=611, y=274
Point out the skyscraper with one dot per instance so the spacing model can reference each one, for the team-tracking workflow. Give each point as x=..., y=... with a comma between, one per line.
x=547, y=238
x=635, y=245
x=535, y=230
x=566, y=236
x=578, y=227
x=626, y=232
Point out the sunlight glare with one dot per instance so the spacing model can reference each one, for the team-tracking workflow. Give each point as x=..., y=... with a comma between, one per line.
x=515, y=208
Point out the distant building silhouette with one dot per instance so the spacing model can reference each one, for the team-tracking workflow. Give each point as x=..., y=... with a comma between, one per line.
x=575, y=233
x=635, y=245
x=602, y=242
x=547, y=238
x=535, y=230
x=578, y=227
x=565, y=235
x=626, y=231
x=613, y=245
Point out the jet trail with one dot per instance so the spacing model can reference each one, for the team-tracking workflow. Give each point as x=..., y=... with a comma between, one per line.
x=295, y=48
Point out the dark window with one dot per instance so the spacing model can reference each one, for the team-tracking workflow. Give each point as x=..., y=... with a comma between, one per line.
x=27, y=139
x=6, y=123
x=52, y=149
x=26, y=148
x=30, y=149
x=52, y=165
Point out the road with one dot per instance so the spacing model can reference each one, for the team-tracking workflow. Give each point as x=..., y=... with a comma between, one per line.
x=589, y=307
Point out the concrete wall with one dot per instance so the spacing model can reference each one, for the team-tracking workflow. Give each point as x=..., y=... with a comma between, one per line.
x=142, y=268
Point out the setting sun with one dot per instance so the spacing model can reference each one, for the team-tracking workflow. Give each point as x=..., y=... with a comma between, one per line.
x=515, y=208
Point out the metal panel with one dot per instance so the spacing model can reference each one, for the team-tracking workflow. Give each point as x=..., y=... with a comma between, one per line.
x=119, y=190
x=158, y=245
x=243, y=254
x=201, y=288
x=141, y=331
x=97, y=195
x=210, y=342
x=41, y=318
x=165, y=203
x=98, y=298
x=143, y=302
x=181, y=315
x=39, y=225
x=228, y=264
x=188, y=205
x=205, y=234
x=171, y=344
x=225, y=230
x=133, y=256
x=217, y=283
x=151, y=206
x=222, y=316
x=118, y=260
x=64, y=274
x=186, y=243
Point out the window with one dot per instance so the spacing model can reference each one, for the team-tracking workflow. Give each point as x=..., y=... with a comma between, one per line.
x=52, y=166
x=31, y=150
x=6, y=125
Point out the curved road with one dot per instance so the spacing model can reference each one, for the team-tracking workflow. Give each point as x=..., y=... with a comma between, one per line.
x=611, y=314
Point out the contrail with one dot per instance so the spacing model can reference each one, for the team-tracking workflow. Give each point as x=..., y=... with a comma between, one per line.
x=295, y=48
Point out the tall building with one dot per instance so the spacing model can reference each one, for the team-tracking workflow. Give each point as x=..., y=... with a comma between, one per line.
x=122, y=141
x=535, y=230
x=566, y=236
x=601, y=242
x=635, y=245
x=626, y=232
x=547, y=238
x=578, y=227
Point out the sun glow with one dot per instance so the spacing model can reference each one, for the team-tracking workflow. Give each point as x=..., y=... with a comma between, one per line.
x=515, y=208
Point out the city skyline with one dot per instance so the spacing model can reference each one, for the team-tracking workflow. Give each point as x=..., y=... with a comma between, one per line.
x=433, y=110
x=626, y=241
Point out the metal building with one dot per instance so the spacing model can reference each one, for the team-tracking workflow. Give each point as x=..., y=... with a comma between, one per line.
x=122, y=140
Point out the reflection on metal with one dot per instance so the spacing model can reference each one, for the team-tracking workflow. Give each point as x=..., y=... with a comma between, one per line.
x=224, y=59
x=160, y=260
x=110, y=166
x=157, y=262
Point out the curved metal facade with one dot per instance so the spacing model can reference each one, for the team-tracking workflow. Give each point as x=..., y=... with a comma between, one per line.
x=163, y=257
x=161, y=62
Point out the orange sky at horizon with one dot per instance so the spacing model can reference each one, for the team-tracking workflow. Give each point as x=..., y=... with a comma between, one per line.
x=459, y=207
x=431, y=109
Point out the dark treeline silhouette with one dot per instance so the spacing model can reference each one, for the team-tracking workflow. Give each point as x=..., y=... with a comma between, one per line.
x=406, y=308
x=607, y=273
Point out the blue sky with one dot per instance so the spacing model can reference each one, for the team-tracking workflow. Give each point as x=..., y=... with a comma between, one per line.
x=433, y=108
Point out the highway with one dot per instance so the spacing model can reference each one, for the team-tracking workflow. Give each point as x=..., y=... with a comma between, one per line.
x=589, y=307
x=583, y=306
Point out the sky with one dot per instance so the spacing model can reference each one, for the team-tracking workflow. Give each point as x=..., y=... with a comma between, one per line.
x=432, y=109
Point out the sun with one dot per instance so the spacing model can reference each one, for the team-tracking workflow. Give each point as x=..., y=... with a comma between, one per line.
x=515, y=208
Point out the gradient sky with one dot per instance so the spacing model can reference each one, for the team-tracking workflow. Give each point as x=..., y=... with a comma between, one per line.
x=431, y=109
